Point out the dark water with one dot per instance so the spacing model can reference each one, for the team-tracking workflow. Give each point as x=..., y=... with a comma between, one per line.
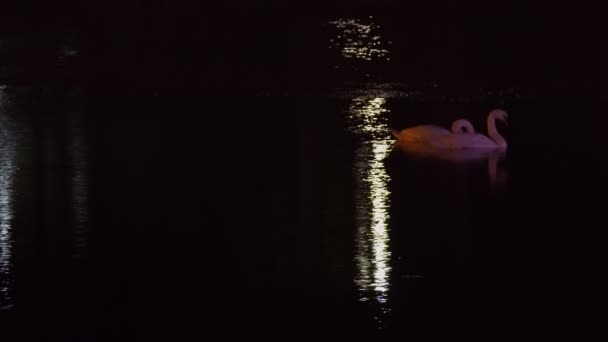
x=151, y=214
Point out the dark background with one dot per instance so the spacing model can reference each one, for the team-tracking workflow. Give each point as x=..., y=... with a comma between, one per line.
x=268, y=43
x=175, y=126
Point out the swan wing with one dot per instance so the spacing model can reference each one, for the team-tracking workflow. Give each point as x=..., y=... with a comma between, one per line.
x=422, y=134
x=464, y=141
x=465, y=155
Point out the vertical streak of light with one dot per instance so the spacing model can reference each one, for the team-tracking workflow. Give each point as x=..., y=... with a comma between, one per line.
x=372, y=255
x=7, y=170
x=372, y=240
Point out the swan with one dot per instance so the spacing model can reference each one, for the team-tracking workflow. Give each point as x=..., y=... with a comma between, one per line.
x=424, y=133
x=473, y=141
x=463, y=135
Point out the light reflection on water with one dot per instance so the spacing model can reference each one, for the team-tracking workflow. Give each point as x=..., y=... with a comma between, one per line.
x=359, y=39
x=373, y=242
x=7, y=170
x=372, y=251
x=367, y=117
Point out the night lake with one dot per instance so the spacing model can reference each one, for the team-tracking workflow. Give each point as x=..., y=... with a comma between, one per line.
x=225, y=179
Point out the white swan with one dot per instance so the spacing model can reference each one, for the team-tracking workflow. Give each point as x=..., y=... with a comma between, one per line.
x=473, y=141
x=463, y=135
x=429, y=133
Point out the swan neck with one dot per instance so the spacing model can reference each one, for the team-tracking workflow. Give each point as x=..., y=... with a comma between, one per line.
x=493, y=132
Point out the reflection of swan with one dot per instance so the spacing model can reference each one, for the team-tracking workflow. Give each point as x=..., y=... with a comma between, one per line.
x=467, y=156
x=433, y=138
x=464, y=155
x=424, y=133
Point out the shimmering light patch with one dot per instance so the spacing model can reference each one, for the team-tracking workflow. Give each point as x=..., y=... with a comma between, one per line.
x=367, y=117
x=372, y=255
x=372, y=240
x=359, y=39
x=7, y=171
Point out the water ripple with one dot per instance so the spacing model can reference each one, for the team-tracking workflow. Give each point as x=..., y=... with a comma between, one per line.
x=372, y=241
x=359, y=39
x=7, y=171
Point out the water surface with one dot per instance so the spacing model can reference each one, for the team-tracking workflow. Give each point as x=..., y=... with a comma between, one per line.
x=151, y=212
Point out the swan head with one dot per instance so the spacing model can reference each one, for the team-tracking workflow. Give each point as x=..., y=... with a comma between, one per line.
x=501, y=115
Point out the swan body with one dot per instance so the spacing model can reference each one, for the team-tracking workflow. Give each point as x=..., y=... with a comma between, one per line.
x=432, y=137
x=470, y=141
x=464, y=155
x=425, y=133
